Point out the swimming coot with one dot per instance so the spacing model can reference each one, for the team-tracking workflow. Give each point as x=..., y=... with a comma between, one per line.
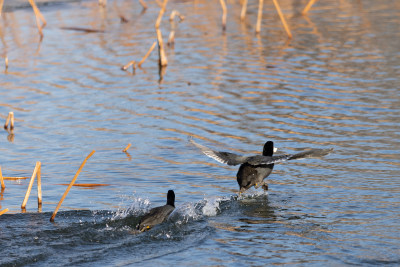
x=254, y=169
x=157, y=215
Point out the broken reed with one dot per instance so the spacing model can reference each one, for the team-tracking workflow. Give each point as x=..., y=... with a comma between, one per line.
x=244, y=10
x=9, y=120
x=70, y=185
x=36, y=172
x=308, y=6
x=171, y=38
x=224, y=12
x=3, y=211
x=39, y=17
x=2, y=180
x=127, y=147
x=282, y=19
x=161, y=52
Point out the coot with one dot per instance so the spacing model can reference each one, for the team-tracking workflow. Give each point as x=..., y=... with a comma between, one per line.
x=157, y=215
x=254, y=169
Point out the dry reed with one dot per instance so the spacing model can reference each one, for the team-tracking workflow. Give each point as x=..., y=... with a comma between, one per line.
x=161, y=52
x=88, y=185
x=6, y=62
x=127, y=147
x=224, y=12
x=175, y=13
x=282, y=19
x=3, y=211
x=103, y=3
x=81, y=29
x=9, y=120
x=171, y=37
x=39, y=17
x=259, y=16
x=308, y=6
x=1, y=6
x=2, y=180
x=70, y=185
x=244, y=10
x=143, y=3
x=147, y=54
x=28, y=191
x=39, y=185
x=14, y=178
x=130, y=63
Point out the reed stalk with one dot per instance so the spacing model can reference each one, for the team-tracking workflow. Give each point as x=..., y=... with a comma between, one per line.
x=147, y=54
x=11, y=120
x=7, y=121
x=282, y=19
x=14, y=178
x=70, y=185
x=127, y=147
x=1, y=6
x=143, y=3
x=161, y=52
x=131, y=63
x=244, y=10
x=308, y=7
x=39, y=17
x=28, y=192
x=224, y=14
x=2, y=180
x=3, y=211
x=171, y=38
x=6, y=62
x=88, y=185
x=160, y=14
x=39, y=185
x=259, y=15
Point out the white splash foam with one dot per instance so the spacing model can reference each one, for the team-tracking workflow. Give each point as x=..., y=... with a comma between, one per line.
x=211, y=207
x=137, y=205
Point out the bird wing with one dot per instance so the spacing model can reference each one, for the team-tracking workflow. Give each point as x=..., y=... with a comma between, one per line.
x=313, y=153
x=222, y=157
x=265, y=160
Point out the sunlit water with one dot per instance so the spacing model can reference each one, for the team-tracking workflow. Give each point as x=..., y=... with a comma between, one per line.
x=334, y=85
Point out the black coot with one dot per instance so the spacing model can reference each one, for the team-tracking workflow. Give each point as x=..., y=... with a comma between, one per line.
x=254, y=169
x=157, y=215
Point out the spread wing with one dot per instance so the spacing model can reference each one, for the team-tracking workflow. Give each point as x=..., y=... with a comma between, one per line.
x=313, y=153
x=222, y=157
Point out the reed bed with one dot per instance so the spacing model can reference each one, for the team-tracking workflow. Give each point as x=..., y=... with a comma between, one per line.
x=70, y=185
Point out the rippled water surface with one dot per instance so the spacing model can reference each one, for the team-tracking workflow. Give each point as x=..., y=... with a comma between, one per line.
x=335, y=84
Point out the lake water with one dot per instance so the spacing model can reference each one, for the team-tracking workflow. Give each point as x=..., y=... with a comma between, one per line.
x=335, y=84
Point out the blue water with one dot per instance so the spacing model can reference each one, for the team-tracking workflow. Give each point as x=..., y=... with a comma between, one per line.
x=334, y=85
